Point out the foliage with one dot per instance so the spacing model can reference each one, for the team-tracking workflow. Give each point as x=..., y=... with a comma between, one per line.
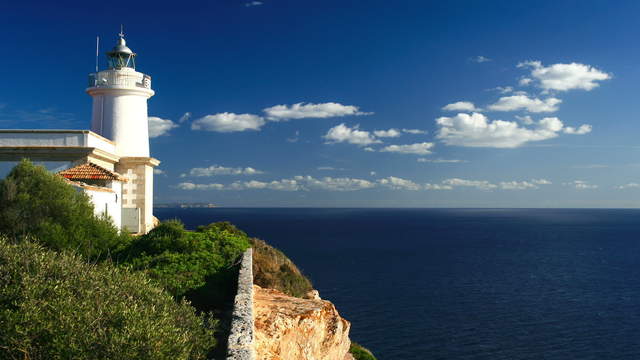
x=182, y=260
x=57, y=306
x=37, y=203
x=360, y=353
x=273, y=269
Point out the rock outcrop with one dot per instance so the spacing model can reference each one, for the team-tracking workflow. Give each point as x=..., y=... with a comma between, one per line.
x=290, y=328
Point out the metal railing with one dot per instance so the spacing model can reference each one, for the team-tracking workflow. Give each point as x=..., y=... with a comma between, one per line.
x=109, y=78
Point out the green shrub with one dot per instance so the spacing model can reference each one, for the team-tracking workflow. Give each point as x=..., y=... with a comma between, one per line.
x=360, y=353
x=56, y=306
x=37, y=203
x=182, y=260
x=273, y=269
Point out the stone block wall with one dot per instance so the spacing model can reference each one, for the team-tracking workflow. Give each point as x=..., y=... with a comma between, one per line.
x=242, y=339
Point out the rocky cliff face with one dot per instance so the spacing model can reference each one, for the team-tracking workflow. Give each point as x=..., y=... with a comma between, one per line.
x=289, y=328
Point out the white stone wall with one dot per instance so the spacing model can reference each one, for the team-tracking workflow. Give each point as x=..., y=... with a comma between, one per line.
x=107, y=202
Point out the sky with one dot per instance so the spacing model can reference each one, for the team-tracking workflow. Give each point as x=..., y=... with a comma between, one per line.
x=354, y=103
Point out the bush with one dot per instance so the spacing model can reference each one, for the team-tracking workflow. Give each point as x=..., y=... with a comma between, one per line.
x=182, y=260
x=273, y=269
x=56, y=306
x=360, y=353
x=37, y=203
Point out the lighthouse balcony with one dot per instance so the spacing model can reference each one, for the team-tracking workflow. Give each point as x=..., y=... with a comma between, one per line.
x=120, y=78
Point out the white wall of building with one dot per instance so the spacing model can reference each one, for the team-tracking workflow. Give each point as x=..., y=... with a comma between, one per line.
x=107, y=202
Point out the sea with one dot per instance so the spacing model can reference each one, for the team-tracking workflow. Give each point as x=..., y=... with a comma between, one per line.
x=465, y=283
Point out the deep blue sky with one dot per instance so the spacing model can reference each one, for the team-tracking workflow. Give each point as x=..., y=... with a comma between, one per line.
x=384, y=65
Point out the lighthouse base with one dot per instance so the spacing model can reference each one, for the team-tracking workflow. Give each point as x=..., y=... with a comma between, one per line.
x=137, y=192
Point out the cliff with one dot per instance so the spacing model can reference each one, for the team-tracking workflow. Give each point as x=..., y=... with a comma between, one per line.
x=290, y=328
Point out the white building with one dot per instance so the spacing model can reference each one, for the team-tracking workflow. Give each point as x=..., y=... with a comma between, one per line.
x=110, y=162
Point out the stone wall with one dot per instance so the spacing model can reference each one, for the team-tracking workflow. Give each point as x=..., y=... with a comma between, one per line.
x=241, y=339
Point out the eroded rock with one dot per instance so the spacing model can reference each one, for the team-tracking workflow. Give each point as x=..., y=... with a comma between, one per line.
x=289, y=328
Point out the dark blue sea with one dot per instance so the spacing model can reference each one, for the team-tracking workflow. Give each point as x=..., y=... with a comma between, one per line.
x=465, y=283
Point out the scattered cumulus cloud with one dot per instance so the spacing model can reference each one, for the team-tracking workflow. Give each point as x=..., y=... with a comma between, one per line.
x=478, y=184
x=369, y=149
x=215, y=170
x=159, y=126
x=397, y=183
x=414, y=131
x=419, y=148
x=525, y=81
x=309, y=110
x=228, y=122
x=517, y=185
x=563, y=77
x=253, y=3
x=527, y=119
x=581, y=185
x=343, y=133
x=157, y=171
x=440, y=161
x=185, y=117
x=476, y=130
x=581, y=130
x=480, y=59
x=334, y=184
x=631, y=185
x=524, y=102
x=461, y=106
x=192, y=186
x=391, y=133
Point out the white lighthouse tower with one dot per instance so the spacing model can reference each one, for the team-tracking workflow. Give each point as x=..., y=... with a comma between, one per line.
x=120, y=96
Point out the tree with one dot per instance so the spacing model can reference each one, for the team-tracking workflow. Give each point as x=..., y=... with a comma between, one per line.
x=39, y=204
x=58, y=306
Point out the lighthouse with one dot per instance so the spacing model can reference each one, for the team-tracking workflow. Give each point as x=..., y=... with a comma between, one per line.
x=111, y=162
x=119, y=113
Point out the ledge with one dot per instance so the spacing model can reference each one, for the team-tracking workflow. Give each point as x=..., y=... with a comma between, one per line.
x=241, y=339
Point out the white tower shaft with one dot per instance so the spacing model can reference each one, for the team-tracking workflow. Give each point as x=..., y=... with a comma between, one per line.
x=120, y=109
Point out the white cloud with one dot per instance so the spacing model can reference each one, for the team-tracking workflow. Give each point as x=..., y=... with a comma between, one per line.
x=214, y=170
x=524, y=81
x=192, y=186
x=460, y=106
x=397, y=183
x=524, y=102
x=527, y=120
x=541, y=182
x=328, y=168
x=563, y=77
x=581, y=185
x=372, y=173
x=517, y=185
x=414, y=131
x=342, y=133
x=335, y=184
x=185, y=117
x=308, y=110
x=478, y=184
x=253, y=3
x=480, y=59
x=437, y=187
x=391, y=133
x=581, y=130
x=630, y=185
x=159, y=126
x=369, y=149
x=279, y=185
x=440, y=161
x=157, y=171
x=476, y=130
x=419, y=148
x=228, y=122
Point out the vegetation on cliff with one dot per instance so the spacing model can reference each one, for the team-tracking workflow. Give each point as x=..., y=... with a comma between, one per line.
x=274, y=270
x=58, y=306
x=39, y=204
x=183, y=261
x=360, y=353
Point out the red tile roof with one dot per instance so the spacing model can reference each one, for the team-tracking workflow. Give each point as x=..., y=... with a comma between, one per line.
x=91, y=171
